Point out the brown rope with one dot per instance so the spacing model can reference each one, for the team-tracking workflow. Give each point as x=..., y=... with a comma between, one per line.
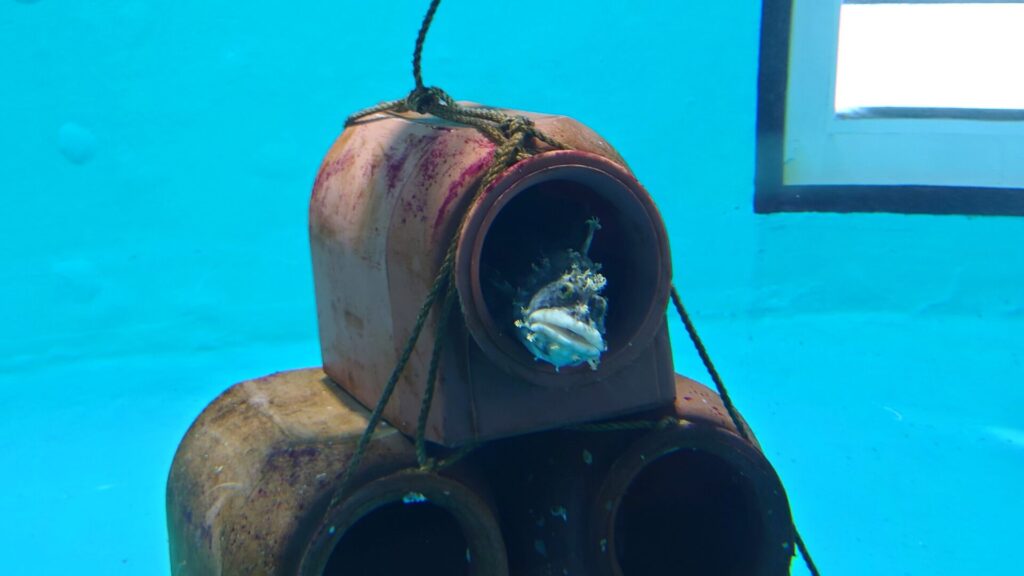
x=435, y=359
x=729, y=407
x=709, y=365
x=417, y=53
x=626, y=425
x=515, y=138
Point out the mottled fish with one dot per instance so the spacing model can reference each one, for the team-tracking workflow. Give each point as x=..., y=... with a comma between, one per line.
x=560, y=311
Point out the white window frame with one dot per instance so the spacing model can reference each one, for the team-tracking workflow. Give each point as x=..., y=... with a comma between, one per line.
x=895, y=160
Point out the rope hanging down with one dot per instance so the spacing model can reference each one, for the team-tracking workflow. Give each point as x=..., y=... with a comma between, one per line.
x=515, y=138
x=729, y=407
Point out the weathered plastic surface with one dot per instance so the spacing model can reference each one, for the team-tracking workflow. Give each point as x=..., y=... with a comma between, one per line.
x=695, y=500
x=249, y=489
x=385, y=205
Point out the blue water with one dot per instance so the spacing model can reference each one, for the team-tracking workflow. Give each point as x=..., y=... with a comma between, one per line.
x=155, y=165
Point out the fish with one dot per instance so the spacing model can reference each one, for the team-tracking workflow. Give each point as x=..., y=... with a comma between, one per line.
x=560, y=312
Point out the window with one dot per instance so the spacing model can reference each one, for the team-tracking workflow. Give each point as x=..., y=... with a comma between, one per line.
x=913, y=106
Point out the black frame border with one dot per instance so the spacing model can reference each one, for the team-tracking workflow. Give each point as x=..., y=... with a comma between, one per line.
x=772, y=196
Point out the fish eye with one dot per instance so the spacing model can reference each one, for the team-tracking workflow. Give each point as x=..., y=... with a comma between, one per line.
x=565, y=289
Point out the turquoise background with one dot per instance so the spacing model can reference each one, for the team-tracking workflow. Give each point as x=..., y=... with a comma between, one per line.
x=155, y=165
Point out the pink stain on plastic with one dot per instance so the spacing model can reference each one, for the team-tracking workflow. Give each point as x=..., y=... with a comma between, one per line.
x=472, y=171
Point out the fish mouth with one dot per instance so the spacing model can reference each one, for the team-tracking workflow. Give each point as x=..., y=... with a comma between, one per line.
x=564, y=329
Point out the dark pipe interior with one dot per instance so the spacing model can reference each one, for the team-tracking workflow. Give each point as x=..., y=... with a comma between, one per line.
x=400, y=539
x=551, y=216
x=692, y=513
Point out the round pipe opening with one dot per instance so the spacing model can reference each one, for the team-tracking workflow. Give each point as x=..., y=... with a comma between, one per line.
x=540, y=208
x=405, y=522
x=688, y=512
x=401, y=538
x=704, y=504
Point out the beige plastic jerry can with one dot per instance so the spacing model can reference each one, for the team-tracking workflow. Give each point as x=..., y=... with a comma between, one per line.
x=388, y=198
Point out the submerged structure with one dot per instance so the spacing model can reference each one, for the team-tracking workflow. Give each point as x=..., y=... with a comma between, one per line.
x=389, y=198
x=538, y=425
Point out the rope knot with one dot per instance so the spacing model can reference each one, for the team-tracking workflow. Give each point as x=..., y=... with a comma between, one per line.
x=426, y=99
x=517, y=125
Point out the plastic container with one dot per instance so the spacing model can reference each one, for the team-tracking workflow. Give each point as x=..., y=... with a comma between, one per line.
x=385, y=205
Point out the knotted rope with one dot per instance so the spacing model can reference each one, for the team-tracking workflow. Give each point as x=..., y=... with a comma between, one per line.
x=515, y=138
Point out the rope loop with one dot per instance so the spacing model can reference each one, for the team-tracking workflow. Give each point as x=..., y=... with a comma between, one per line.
x=427, y=100
x=515, y=125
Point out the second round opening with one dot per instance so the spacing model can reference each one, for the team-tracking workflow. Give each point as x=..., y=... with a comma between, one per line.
x=404, y=524
x=688, y=513
x=699, y=501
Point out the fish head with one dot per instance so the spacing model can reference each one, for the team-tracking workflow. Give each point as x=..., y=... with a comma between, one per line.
x=563, y=323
